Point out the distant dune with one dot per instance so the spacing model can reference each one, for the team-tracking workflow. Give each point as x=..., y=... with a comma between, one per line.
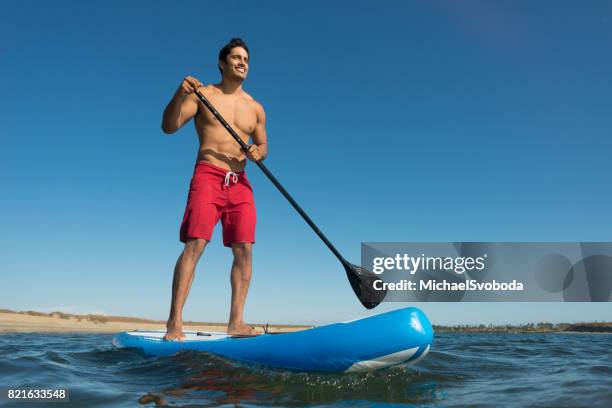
x=30, y=321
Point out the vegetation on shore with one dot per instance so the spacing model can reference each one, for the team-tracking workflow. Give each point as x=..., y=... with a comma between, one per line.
x=593, y=327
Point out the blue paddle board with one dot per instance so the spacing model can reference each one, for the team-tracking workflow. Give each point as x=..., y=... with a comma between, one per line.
x=366, y=344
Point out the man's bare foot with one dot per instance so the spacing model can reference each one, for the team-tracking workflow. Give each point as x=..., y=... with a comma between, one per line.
x=174, y=336
x=243, y=330
x=174, y=332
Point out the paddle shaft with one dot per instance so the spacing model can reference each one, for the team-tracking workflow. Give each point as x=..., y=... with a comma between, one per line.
x=273, y=179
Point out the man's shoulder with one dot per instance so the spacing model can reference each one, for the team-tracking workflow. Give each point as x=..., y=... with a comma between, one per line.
x=247, y=97
x=256, y=105
x=209, y=89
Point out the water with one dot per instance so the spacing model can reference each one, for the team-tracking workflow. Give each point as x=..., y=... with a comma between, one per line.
x=541, y=370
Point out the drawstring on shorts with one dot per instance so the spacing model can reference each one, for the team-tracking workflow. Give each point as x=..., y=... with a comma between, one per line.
x=230, y=176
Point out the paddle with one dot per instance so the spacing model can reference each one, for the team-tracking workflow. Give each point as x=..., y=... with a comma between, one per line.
x=361, y=280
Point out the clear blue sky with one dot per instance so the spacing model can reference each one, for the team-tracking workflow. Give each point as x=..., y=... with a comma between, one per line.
x=387, y=121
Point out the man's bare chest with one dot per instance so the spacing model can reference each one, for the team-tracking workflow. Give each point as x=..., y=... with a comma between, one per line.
x=238, y=112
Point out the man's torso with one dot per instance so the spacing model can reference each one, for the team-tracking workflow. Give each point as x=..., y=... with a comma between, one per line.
x=217, y=146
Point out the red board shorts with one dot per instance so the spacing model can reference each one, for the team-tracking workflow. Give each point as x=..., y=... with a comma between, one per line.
x=217, y=193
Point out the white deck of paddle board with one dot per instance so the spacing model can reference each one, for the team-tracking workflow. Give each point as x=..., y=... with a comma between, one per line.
x=189, y=335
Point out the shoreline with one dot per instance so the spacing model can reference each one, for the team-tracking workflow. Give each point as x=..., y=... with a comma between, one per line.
x=58, y=322
x=591, y=327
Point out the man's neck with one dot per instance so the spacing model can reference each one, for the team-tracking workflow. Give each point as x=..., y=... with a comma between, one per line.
x=230, y=86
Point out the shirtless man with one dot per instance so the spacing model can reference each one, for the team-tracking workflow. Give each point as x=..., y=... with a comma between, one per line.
x=219, y=188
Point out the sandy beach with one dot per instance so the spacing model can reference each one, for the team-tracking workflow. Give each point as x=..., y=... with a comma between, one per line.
x=58, y=322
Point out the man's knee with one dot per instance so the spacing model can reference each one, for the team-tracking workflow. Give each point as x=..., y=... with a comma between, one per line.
x=242, y=252
x=194, y=247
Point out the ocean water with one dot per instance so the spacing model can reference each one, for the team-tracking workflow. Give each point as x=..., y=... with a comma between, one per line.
x=475, y=370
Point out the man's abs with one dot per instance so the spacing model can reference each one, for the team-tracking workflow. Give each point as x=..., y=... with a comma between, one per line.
x=218, y=147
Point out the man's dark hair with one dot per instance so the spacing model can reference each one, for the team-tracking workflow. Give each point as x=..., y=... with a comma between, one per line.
x=233, y=43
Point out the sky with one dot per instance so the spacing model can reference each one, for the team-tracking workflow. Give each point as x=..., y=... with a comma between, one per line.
x=387, y=121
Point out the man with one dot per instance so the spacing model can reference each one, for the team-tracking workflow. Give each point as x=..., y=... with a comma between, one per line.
x=219, y=188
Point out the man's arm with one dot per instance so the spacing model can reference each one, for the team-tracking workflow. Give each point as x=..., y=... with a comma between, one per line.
x=259, y=149
x=182, y=107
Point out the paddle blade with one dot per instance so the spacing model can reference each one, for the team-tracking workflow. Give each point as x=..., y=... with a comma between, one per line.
x=362, y=282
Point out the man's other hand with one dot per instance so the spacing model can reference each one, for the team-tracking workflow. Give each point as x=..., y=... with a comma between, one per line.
x=253, y=153
x=188, y=86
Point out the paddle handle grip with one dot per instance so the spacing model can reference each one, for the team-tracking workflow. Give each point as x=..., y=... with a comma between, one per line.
x=273, y=179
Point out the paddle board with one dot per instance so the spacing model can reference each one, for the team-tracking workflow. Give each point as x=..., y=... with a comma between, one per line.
x=366, y=344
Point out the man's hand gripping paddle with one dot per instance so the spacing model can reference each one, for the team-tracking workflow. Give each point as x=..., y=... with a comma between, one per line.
x=361, y=280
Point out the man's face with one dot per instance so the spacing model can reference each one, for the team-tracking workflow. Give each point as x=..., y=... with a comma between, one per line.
x=236, y=63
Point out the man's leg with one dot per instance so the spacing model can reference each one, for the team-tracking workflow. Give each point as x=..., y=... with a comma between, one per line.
x=184, y=271
x=240, y=278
